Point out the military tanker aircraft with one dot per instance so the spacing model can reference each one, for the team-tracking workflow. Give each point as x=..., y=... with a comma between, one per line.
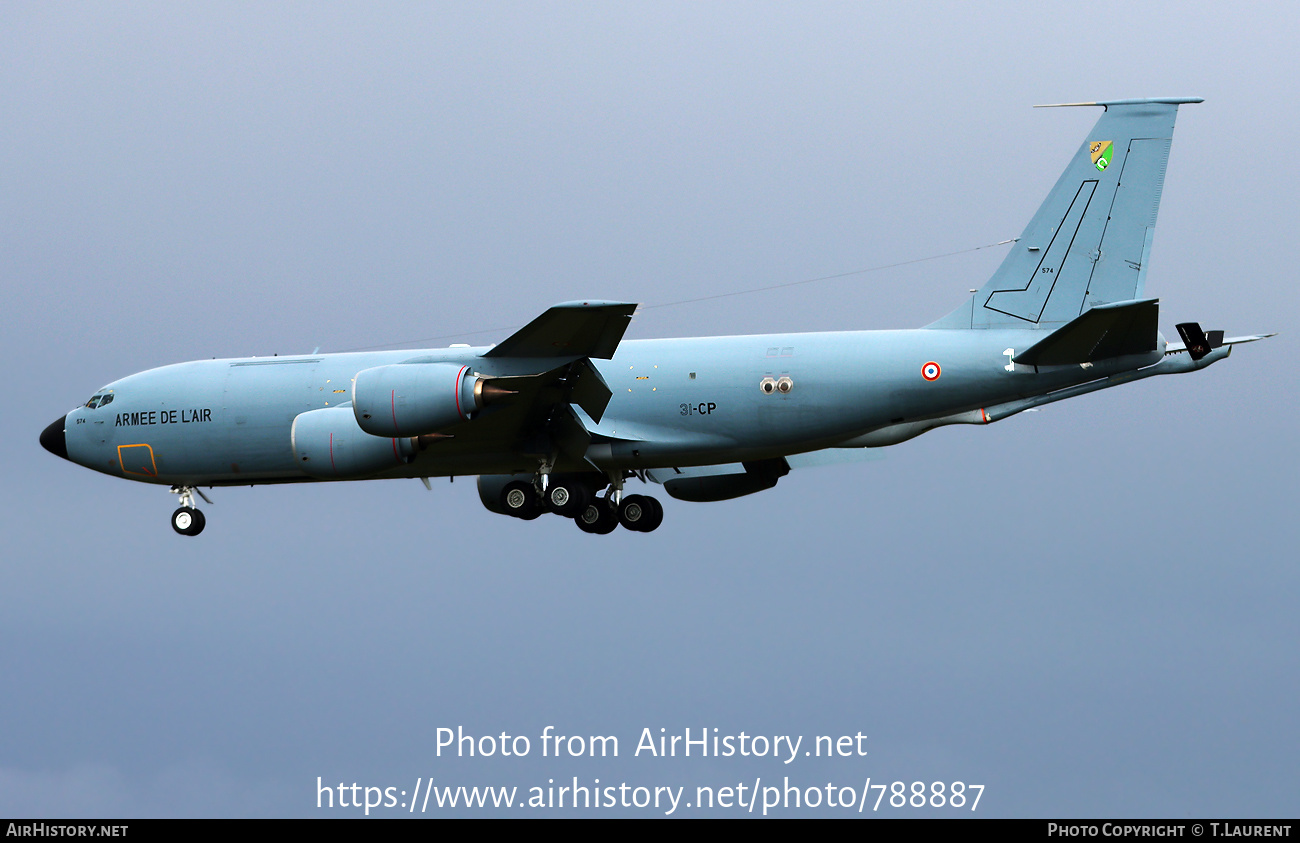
x=557, y=417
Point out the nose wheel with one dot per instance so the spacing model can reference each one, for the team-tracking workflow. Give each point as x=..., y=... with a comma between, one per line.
x=188, y=520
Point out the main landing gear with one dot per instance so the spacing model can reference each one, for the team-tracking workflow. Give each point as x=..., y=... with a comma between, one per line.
x=638, y=513
x=188, y=521
x=576, y=498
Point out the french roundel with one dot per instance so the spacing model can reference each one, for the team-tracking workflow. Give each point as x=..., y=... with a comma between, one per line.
x=931, y=371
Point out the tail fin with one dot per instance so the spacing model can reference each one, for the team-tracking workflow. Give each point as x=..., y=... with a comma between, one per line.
x=1089, y=242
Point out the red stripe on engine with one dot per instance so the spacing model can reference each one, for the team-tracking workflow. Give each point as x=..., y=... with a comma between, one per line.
x=457, y=388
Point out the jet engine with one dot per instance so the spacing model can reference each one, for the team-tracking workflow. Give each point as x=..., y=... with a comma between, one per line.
x=328, y=444
x=412, y=399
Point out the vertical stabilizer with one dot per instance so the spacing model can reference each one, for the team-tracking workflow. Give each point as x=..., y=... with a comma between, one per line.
x=1090, y=240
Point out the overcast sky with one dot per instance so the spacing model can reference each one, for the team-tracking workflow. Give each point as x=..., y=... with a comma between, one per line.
x=1090, y=610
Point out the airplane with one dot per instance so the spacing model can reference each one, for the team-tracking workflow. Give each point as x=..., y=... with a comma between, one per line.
x=559, y=415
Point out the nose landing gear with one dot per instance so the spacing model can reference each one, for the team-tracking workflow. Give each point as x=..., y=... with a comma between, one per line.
x=188, y=521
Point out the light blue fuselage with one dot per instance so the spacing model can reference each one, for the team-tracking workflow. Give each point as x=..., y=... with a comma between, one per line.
x=675, y=402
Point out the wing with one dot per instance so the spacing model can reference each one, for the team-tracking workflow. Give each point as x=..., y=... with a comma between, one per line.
x=538, y=375
x=571, y=329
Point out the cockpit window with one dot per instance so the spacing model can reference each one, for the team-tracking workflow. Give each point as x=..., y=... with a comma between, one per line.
x=99, y=400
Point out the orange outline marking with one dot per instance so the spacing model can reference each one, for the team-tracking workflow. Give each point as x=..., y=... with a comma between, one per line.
x=145, y=472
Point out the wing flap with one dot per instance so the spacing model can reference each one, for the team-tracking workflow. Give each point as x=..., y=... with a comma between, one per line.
x=588, y=389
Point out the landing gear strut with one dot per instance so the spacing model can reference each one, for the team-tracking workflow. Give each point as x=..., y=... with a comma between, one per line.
x=188, y=521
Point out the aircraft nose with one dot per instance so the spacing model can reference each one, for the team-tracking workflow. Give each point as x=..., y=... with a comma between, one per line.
x=53, y=440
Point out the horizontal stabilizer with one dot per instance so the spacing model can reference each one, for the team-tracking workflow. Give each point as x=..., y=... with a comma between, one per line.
x=1108, y=330
x=572, y=329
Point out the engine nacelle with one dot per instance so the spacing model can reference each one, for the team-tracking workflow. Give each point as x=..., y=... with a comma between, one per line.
x=328, y=444
x=411, y=399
